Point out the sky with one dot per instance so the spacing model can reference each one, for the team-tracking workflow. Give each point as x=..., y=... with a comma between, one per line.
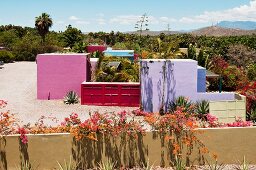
x=122, y=15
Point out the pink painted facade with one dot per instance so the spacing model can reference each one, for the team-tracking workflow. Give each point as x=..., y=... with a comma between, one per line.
x=59, y=73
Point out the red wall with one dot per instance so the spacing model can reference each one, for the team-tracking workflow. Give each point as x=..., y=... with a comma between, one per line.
x=110, y=94
x=93, y=48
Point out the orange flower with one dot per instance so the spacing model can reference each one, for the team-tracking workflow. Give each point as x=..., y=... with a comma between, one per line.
x=204, y=150
x=176, y=148
x=92, y=137
x=215, y=156
x=167, y=138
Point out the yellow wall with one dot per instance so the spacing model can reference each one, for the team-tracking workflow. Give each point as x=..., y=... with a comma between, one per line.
x=229, y=111
x=230, y=144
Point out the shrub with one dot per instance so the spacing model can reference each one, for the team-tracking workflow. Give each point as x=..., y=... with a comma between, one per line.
x=126, y=72
x=71, y=98
x=6, y=56
x=180, y=102
x=202, y=109
x=251, y=72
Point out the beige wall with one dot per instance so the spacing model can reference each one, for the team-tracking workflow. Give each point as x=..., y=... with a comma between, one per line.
x=230, y=144
x=228, y=111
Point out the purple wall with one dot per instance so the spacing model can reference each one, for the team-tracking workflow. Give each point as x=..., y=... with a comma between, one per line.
x=181, y=76
x=59, y=73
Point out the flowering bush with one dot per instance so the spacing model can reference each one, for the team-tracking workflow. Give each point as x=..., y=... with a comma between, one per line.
x=179, y=130
x=7, y=121
x=239, y=123
x=249, y=90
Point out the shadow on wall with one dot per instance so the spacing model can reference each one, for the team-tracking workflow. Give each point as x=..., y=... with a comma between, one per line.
x=3, y=154
x=171, y=84
x=147, y=103
x=129, y=151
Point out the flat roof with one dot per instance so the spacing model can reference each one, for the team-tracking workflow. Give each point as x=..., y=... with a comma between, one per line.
x=176, y=60
x=79, y=54
x=135, y=83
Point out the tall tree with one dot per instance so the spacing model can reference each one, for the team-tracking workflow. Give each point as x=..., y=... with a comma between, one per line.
x=42, y=24
x=71, y=36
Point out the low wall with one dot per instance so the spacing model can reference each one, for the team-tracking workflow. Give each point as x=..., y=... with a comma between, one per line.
x=228, y=111
x=215, y=96
x=110, y=94
x=230, y=144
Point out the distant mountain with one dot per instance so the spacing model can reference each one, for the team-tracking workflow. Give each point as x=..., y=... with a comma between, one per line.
x=243, y=25
x=220, y=31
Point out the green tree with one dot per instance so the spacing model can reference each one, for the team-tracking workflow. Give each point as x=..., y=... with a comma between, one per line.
x=192, y=51
x=251, y=73
x=43, y=23
x=71, y=36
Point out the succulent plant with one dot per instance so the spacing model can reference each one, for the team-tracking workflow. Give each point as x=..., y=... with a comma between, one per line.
x=71, y=98
x=181, y=101
x=202, y=108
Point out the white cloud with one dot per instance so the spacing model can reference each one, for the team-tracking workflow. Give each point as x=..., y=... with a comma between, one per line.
x=167, y=19
x=81, y=22
x=73, y=18
x=242, y=13
x=132, y=19
x=60, y=22
x=101, y=21
x=125, y=19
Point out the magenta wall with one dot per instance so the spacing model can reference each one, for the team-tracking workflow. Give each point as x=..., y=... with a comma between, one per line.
x=59, y=73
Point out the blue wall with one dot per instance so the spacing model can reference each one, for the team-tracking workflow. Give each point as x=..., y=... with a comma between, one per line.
x=201, y=79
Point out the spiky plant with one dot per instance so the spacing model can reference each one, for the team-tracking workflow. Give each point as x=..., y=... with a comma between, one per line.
x=70, y=165
x=108, y=165
x=202, y=108
x=242, y=166
x=71, y=98
x=26, y=165
x=181, y=101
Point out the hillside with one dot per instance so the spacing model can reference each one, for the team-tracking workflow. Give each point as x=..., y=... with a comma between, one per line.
x=220, y=31
x=243, y=25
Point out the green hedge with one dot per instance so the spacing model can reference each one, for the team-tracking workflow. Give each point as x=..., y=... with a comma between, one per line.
x=6, y=56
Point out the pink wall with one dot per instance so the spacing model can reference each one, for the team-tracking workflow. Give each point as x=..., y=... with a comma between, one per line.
x=59, y=73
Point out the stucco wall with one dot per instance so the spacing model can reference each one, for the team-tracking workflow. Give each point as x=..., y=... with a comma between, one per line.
x=230, y=110
x=180, y=80
x=164, y=80
x=201, y=79
x=59, y=73
x=230, y=145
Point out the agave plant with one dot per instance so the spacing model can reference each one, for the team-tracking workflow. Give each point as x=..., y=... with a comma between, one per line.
x=71, y=98
x=181, y=101
x=202, y=108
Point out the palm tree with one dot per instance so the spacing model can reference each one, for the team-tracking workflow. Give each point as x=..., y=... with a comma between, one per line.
x=43, y=23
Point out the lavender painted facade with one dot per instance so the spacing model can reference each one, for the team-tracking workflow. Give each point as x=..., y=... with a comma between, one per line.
x=164, y=80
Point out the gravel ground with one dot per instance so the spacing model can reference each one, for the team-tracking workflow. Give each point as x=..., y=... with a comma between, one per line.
x=18, y=88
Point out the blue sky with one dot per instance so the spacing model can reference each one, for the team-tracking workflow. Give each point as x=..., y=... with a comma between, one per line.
x=121, y=15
